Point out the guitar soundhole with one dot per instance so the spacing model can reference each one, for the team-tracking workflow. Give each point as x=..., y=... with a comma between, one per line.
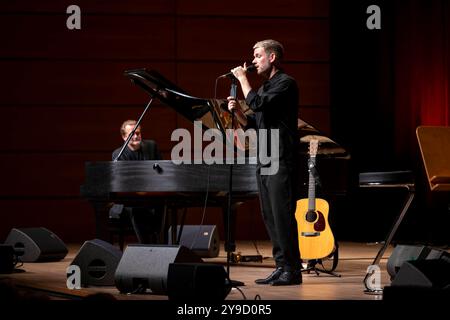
x=311, y=216
x=321, y=223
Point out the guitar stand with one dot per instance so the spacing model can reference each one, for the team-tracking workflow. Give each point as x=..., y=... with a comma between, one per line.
x=311, y=265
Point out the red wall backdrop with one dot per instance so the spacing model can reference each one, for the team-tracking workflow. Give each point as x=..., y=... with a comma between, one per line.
x=63, y=93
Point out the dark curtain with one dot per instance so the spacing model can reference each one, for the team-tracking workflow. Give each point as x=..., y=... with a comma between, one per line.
x=421, y=97
x=384, y=84
x=422, y=70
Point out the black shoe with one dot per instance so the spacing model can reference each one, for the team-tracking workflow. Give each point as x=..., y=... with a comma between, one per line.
x=288, y=278
x=273, y=276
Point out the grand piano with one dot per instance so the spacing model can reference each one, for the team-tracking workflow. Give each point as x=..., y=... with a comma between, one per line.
x=175, y=186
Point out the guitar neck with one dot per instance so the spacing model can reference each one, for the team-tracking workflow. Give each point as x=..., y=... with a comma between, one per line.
x=311, y=185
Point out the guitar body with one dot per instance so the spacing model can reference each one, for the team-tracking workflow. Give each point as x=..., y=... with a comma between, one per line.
x=316, y=240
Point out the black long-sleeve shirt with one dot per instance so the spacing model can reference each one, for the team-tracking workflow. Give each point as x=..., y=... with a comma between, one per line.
x=147, y=151
x=276, y=107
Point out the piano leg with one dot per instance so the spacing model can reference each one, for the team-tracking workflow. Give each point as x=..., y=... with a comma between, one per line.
x=170, y=222
x=162, y=230
x=174, y=224
x=101, y=209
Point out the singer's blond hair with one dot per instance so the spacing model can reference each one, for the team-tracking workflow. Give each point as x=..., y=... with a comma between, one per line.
x=271, y=46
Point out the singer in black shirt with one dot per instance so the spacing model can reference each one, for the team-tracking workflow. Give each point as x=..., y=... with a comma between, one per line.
x=275, y=106
x=146, y=221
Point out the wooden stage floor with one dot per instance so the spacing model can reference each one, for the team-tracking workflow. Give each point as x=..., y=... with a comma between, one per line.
x=49, y=278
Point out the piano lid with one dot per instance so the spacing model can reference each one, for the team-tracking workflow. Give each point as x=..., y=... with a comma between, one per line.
x=214, y=112
x=168, y=93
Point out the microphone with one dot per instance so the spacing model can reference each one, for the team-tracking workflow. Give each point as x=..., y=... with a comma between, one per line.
x=250, y=68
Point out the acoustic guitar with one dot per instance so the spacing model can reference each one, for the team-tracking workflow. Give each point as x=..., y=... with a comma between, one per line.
x=316, y=239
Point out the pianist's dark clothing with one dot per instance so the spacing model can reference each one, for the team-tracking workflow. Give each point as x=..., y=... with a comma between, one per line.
x=146, y=221
x=276, y=107
x=148, y=151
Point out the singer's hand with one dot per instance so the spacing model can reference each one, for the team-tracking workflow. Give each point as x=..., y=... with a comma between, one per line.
x=241, y=74
x=232, y=104
x=240, y=71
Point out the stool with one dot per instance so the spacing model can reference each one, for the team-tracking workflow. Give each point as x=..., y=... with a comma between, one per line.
x=392, y=179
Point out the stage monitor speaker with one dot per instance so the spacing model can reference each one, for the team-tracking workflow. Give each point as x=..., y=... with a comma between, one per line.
x=98, y=261
x=36, y=244
x=145, y=267
x=202, y=239
x=433, y=273
x=403, y=253
x=197, y=282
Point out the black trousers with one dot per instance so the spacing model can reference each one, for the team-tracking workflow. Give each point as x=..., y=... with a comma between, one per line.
x=278, y=199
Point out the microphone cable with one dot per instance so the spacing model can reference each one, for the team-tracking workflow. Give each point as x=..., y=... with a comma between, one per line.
x=205, y=204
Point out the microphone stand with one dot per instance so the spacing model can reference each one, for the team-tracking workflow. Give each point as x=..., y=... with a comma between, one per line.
x=132, y=132
x=229, y=248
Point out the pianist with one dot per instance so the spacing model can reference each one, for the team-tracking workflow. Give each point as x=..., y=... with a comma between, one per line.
x=137, y=148
x=275, y=106
x=146, y=221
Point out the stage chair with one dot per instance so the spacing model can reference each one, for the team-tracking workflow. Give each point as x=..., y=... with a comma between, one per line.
x=434, y=143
